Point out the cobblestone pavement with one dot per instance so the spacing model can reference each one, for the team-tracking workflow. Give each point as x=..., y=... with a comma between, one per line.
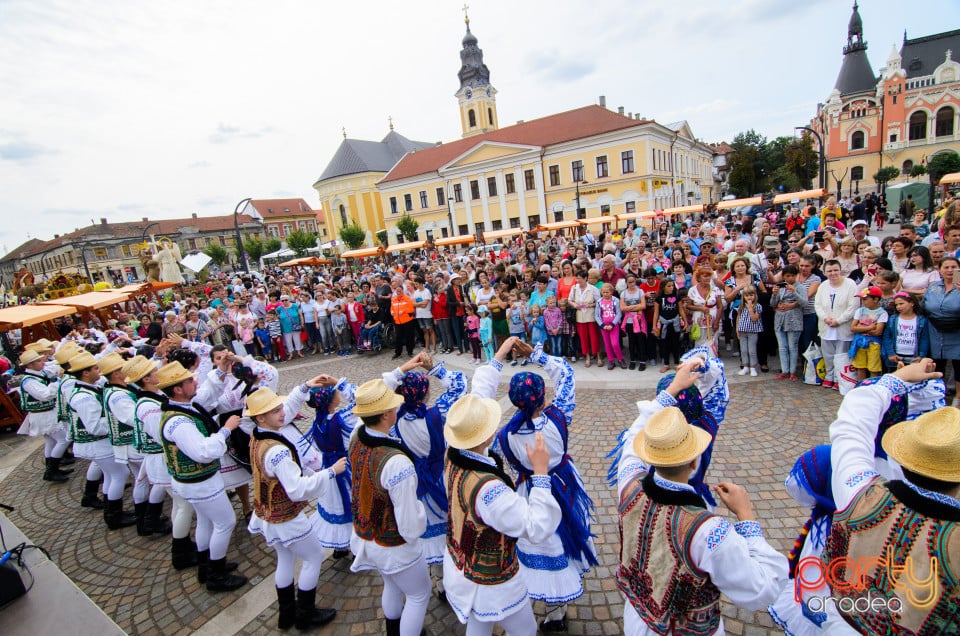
x=768, y=425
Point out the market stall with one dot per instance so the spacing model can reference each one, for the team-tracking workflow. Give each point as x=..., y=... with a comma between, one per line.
x=99, y=304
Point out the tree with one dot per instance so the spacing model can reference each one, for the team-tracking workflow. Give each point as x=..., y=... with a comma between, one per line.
x=939, y=165
x=747, y=169
x=918, y=170
x=300, y=241
x=802, y=160
x=382, y=237
x=271, y=245
x=408, y=227
x=353, y=235
x=886, y=174
x=217, y=253
x=254, y=248
x=784, y=180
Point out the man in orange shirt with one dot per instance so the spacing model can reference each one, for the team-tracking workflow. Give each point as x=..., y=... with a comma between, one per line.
x=402, y=311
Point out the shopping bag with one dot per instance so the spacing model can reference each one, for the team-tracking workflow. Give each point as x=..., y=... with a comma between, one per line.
x=813, y=367
x=238, y=348
x=846, y=374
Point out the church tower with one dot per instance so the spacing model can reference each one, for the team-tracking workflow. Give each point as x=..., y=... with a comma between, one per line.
x=856, y=74
x=477, y=98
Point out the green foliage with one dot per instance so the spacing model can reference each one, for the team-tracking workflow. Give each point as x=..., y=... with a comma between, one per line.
x=300, y=241
x=747, y=170
x=943, y=163
x=784, y=177
x=217, y=253
x=918, y=170
x=758, y=165
x=271, y=245
x=353, y=235
x=382, y=237
x=408, y=227
x=886, y=174
x=802, y=160
x=254, y=248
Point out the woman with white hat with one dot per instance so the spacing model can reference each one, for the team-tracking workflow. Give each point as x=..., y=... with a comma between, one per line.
x=388, y=519
x=481, y=569
x=38, y=400
x=283, y=486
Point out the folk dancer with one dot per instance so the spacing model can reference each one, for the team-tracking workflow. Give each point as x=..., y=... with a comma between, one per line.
x=664, y=521
x=481, y=572
x=38, y=400
x=193, y=446
x=90, y=432
x=91, y=488
x=282, y=486
x=388, y=519
x=553, y=568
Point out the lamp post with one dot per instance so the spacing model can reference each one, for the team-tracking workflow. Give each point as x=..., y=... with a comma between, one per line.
x=143, y=235
x=820, y=148
x=236, y=229
x=578, y=182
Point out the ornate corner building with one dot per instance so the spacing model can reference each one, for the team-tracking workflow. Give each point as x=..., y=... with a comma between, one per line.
x=901, y=117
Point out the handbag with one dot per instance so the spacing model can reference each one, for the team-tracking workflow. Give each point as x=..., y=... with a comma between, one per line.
x=695, y=332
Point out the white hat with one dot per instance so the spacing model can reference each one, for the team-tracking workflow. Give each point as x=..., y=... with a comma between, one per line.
x=858, y=222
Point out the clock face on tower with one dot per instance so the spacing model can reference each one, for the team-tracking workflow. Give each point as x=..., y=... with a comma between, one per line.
x=469, y=93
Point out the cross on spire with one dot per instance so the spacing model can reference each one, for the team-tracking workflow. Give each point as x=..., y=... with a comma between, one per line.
x=344, y=131
x=390, y=119
x=466, y=16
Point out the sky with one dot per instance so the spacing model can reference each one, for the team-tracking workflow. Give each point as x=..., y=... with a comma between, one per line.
x=122, y=110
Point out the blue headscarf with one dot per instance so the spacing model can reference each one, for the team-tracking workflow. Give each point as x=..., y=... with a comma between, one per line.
x=320, y=398
x=526, y=393
x=689, y=401
x=812, y=472
x=414, y=389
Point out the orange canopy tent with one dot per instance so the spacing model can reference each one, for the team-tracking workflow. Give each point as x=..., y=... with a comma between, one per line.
x=361, y=253
x=308, y=261
x=951, y=178
x=502, y=234
x=787, y=197
x=686, y=209
x=101, y=303
x=403, y=247
x=465, y=239
x=736, y=203
x=33, y=321
x=558, y=225
x=599, y=220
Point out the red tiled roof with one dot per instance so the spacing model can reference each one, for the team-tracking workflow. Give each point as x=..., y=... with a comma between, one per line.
x=275, y=208
x=553, y=129
x=722, y=148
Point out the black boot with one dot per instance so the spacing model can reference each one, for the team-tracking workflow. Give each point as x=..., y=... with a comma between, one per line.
x=183, y=554
x=91, y=498
x=219, y=581
x=308, y=614
x=156, y=523
x=67, y=460
x=140, y=512
x=203, y=566
x=115, y=516
x=393, y=626
x=287, y=602
x=52, y=471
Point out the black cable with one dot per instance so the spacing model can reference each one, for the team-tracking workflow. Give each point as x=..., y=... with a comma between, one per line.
x=17, y=551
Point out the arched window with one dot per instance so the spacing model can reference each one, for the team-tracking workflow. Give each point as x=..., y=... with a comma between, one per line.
x=857, y=140
x=906, y=168
x=343, y=215
x=856, y=173
x=490, y=116
x=918, y=125
x=945, y=118
x=472, y=118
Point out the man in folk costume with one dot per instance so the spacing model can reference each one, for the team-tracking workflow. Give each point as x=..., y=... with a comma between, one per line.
x=553, y=568
x=909, y=522
x=140, y=374
x=91, y=488
x=481, y=570
x=38, y=401
x=676, y=557
x=193, y=445
x=90, y=431
x=331, y=431
x=120, y=402
x=282, y=487
x=420, y=428
x=388, y=519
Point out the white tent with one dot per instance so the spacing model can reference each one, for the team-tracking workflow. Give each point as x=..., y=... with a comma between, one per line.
x=281, y=253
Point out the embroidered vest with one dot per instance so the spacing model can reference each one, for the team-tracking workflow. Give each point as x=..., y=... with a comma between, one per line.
x=79, y=433
x=63, y=399
x=142, y=442
x=30, y=404
x=373, y=516
x=270, y=501
x=892, y=525
x=656, y=573
x=180, y=466
x=121, y=434
x=484, y=555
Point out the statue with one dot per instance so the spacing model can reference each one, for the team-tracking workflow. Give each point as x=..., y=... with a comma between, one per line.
x=22, y=278
x=169, y=258
x=150, y=266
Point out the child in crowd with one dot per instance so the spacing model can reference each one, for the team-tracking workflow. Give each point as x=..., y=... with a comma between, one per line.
x=373, y=322
x=608, y=316
x=472, y=327
x=355, y=316
x=276, y=336
x=749, y=328
x=262, y=337
x=869, y=321
x=568, y=332
x=525, y=308
x=246, y=336
x=486, y=332
x=341, y=330
x=553, y=323
x=905, y=338
x=538, y=329
x=887, y=281
x=516, y=322
x=787, y=301
x=680, y=277
x=650, y=286
x=668, y=322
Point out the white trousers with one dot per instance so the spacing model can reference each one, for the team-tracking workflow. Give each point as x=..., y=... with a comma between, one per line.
x=414, y=583
x=310, y=552
x=181, y=516
x=521, y=623
x=114, y=477
x=141, y=487
x=215, y=522
x=55, y=443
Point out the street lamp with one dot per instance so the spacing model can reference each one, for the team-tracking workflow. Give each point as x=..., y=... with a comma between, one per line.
x=236, y=229
x=820, y=148
x=578, y=182
x=143, y=235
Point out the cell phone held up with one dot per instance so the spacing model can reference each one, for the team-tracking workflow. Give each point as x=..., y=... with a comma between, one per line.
x=818, y=236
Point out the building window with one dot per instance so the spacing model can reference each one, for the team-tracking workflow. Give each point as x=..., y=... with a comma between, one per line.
x=424, y=203
x=441, y=197
x=343, y=218
x=576, y=168
x=528, y=181
x=510, y=185
x=124, y=251
x=893, y=137
x=554, y=175
x=856, y=173
x=491, y=186
x=490, y=116
x=626, y=161
x=857, y=140
x=533, y=220
x=393, y=205
x=479, y=228
x=407, y=202
x=557, y=216
x=602, y=169
x=272, y=231
x=497, y=225
x=654, y=158
x=444, y=233
x=100, y=253
x=918, y=126
x=630, y=207
x=515, y=222
x=463, y=230
x=287, y=228
x=474, y=190
x=472, y=117
x=945, y=117
x=457, y=193
x=906, y=168
x=604, y=210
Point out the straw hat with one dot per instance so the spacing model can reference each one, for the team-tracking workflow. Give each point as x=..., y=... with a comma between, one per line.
x=83, y=360
x=110, y=363
x=928, y=445
x=66, y=351
x=29, y=356
x=172, y=374
x=374, y=398
x=261, y=401
x=668, y=440
x=137, y=368
x=40, y=345
x=471, y=421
